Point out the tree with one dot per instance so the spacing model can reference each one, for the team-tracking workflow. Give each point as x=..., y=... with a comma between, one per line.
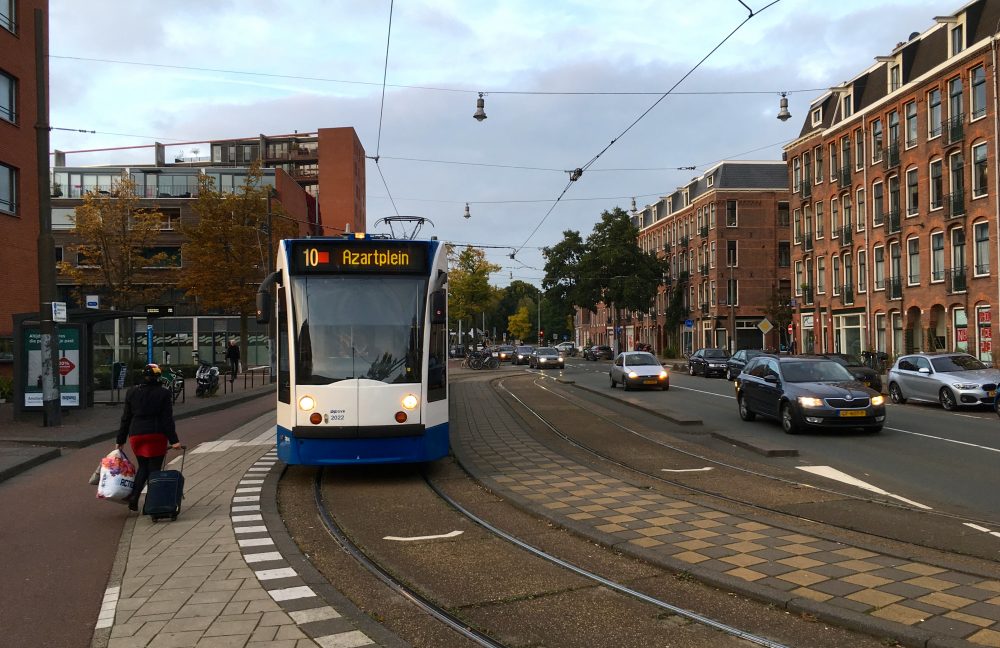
x=117, y=255
x=470, y=294
x=778, y=309
x=225, y=250
x=520, y=324
x=512, y=298
x=563, y=283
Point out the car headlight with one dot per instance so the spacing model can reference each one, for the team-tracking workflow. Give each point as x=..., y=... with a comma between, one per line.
x=809, y=401
x=306, y=403
x=541, y=359
x=409, y=402
x=633, y=375
x=663, y=374
x=878, y=400
x=965, y=386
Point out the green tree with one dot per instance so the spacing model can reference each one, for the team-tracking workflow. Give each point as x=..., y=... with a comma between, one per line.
x=564, y=286
x=779, y=310
x=117, y=256
x=225, y=253
x=512, y=298
x=470, y=294
x=520, y=324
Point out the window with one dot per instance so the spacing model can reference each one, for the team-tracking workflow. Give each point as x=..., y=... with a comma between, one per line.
x=937, y=185
x=784, y=254
x=711, y=216
x=894, y=198
x=878, y=255
x=686, y=197
x=859, y=151
x=958, y=250
x=834, y=169
x=818, y=154
x=981, y=234
x=955, y=176
x=834, y=218
x=797, y=227
x=711, y=257
x=783, y=220
x=817, y=116
x=806, y=168
x=878, y=205
x=934, y=113
x=876, y=140
x=730, y=213
x=8, y=96
x=848, y=276
x=711, y=181
x=957, y=39
x=796, y=175
x=910, y=111
x=8, y=17
x=733, y=292
x=171, y=256
x=847, y=210
x=860, y=204
x=732, y=260
x=834, y=275
x=862, y=271
x=8, y=189
x=937, y=257
x=798, y=278
x=895, y=78
x=893, y=129
x=978, y=84
x=848, y=106
x=821, y=275
x=913, y=261
x=979, y=170
x=845, y=152
x=819, y=220
x=63, y=218
x=912, y=193
x=955, y=109
x=895, y=268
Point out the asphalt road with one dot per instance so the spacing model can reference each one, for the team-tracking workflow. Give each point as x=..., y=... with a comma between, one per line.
x=943, y=460
x=59, y=541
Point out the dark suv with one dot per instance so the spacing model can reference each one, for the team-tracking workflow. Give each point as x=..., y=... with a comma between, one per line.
x=598, y=352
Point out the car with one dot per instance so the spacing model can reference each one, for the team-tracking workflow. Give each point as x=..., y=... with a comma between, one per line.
x=522, y=354
x=952, y=379
x=598, y=352
x=736, y=362
x=546, y=358
x=708, y=362
x=858, y=369
x=807, y=393
x=456, y=351
x=638, y=369
x=568, y=349
x=504, y=352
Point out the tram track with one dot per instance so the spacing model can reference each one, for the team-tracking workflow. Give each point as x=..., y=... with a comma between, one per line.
x=486, y=636
x=798, y=516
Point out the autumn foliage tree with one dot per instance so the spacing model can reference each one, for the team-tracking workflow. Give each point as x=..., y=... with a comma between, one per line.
x=225, y=254
x=116, y=255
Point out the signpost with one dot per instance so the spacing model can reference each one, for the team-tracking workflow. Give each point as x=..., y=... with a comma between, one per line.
x=59, y=312
x=92, y=301
x=765, y=326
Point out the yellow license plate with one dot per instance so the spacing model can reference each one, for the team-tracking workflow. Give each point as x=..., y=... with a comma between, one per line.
x=991, y=394
x=852, y=412
x=648, y=382
x=868, y=384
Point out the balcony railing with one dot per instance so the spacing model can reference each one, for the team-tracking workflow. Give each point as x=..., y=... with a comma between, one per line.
x=704, y=270
x=807, y=242
x=895, y=288
x=956, y=280
x=846, y=235
x=892, y=221
x=683, y=242
x=954, y=129
x=955, y=204
x=890, y=156
x=703, y=232
x=844, y=176
x=847, y=294
x=878, y=217
x=806, y=188
x=704, y=309
x=879, y=283
x=982, y=268
x=937, y=275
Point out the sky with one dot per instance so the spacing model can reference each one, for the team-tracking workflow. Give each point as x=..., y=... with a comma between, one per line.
x=562, y=81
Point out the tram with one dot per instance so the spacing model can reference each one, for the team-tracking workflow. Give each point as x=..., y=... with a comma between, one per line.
x=362, y=349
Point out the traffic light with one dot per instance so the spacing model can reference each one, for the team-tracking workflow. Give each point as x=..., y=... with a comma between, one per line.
x=541, y=334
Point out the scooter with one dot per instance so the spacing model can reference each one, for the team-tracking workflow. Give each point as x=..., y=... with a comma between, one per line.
x=173, y=380
x=207, y=378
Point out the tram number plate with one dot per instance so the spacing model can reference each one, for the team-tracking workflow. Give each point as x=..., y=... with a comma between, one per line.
x=852, y=412
x=648, y=382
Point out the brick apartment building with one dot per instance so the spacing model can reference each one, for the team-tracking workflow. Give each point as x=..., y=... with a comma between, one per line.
x=18, y=167
x=726, y=238
x=894, y=212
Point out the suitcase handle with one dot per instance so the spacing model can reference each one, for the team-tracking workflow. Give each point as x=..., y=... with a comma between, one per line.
x=183, y=455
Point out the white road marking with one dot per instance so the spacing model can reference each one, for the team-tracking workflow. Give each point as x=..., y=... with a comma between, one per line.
x=430, y=537
x=833, y=473
x=937, y=438
x=106, y=617
x=291, y=593
x=685, y=469
x=272, y=574
x=702, y=391
x=977, y=527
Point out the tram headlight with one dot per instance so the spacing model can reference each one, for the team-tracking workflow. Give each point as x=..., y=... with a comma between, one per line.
x=410, y=402
x=306, y=403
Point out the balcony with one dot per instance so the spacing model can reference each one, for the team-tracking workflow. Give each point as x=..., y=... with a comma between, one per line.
x=890, y=156
x=703, y=231
x=846, y=235
x=954, y=130
x=704, y=309
x=954, y=204
x=847, y=294
x=844, y=176
x=807, y=242
x=683, y=242
x=956, y=281
x=704, y=269
x=895, y=288
x=892, y=221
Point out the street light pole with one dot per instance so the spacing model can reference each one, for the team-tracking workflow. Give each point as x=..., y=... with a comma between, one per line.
x=271, y=338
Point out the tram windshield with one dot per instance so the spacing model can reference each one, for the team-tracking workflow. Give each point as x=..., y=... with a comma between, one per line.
x=358, y=326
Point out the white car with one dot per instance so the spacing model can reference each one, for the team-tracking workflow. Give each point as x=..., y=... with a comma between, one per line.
x=566, y=349
x=638, y=369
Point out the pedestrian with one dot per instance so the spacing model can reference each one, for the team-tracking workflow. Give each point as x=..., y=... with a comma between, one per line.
x=148, y=425
x=233, y=356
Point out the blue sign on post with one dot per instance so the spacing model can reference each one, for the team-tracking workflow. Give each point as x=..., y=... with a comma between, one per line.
x=149, y=344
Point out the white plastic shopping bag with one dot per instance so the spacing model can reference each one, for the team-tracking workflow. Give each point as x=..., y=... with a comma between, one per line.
x=117, y=477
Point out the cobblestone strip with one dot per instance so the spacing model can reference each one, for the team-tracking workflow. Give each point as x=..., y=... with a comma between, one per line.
x=924, y=599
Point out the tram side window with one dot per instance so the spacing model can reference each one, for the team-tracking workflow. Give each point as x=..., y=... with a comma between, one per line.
x=284, y=374
x=437, y=356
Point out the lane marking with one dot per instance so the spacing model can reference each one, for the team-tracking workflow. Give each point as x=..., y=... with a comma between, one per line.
x=937, y=438
x=833, y=473
x=977, y=527
x=106, y=617
x=430, y=537
x=702, y=391
x=679, y=470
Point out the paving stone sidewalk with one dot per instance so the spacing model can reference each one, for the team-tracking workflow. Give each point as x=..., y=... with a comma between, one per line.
x=918, y=603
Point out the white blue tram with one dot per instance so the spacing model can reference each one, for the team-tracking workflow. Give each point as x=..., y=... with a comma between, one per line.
x=362, y=349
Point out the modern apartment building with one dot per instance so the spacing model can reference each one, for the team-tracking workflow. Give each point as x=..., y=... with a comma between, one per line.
x=894, y=204
x=725, y=236
x=18, y=166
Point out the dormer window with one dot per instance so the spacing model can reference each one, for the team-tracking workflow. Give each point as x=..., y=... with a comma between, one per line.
x=817, y=116
x=957, y=37
x=847, y=106
x=895, y=77
x=686, y=198
x=711, y=181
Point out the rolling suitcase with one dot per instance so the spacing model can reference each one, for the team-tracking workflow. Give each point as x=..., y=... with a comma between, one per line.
x=164, y=491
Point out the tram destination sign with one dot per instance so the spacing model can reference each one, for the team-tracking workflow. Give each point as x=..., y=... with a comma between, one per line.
x=357, y=256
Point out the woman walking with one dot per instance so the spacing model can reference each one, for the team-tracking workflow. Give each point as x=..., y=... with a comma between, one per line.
x=148, y=424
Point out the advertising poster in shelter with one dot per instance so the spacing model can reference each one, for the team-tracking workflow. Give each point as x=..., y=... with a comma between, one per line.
x=68, y=371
